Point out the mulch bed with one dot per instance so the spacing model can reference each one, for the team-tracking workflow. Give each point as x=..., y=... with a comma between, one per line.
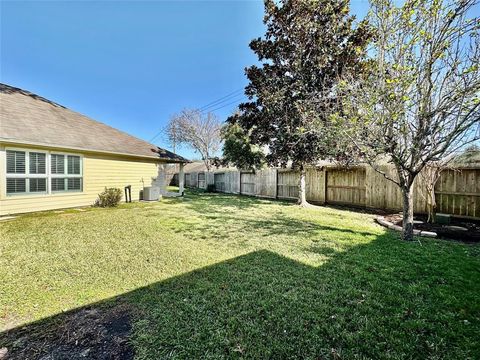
x=459, y=229
x=91, y=333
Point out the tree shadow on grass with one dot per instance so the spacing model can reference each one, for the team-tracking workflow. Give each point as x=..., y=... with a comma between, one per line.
x=202, y=201
x=219, y=216
x=383, y=300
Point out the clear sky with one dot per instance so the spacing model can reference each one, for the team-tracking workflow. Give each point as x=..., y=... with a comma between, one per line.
x=132, y=64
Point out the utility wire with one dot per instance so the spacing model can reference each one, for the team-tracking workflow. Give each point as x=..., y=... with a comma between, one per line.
x=207, y=108
x=229, y=100
x=238, y=96
x=220, y=107
x=156, y=136
x=222, y=99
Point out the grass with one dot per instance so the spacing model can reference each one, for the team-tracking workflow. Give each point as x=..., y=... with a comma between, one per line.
x=219, y=276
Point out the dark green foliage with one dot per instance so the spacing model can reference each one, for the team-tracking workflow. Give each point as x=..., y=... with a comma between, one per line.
x=307, y=48
x=238, y=150
x=110, y=197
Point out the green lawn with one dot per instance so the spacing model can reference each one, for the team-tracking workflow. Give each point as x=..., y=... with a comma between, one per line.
x=219, y=276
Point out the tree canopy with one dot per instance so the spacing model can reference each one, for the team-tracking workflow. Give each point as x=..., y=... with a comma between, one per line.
x=421, y=100
x=307, y=47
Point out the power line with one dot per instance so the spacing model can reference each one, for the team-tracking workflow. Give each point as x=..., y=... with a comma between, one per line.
x=230, y=99
x=222, y=99
x=220, y=107
x=207, y=108
x=156, y=135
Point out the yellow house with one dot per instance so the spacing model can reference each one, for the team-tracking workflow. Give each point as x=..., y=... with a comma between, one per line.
x=52, y=157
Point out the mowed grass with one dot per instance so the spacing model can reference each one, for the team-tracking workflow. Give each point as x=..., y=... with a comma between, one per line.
x=219, y=276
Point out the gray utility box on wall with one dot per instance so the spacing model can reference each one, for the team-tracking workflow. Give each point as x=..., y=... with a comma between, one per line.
x=151, y=193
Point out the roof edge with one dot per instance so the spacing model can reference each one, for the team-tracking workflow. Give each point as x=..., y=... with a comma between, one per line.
x=158, y=158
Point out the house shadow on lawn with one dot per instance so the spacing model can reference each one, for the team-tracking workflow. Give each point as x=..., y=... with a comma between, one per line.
x=386, y=299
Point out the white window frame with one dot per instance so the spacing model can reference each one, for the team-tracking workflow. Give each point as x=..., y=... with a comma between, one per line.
x=65, y=174
x=27, y=176
x=48, y=174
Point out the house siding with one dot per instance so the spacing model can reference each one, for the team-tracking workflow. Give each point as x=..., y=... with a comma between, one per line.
x=99, y=171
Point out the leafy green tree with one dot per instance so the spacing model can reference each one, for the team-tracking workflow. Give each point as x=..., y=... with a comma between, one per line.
x=238, y=150
x=421, y=101
x=307, y=47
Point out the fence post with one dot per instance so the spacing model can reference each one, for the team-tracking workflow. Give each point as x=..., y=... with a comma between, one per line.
x=240, y=182
x=326, y=185
x=276, y=183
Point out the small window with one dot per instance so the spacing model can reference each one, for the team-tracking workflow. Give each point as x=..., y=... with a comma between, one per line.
x=57, y=164
x=15, y=162
x=73, y=165
x=37, y=185
x=15, y=186
x=37, y=163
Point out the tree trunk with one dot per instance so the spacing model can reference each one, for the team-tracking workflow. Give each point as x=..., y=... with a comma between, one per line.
x=407, y=230
x=302, y=198
x=431, y=204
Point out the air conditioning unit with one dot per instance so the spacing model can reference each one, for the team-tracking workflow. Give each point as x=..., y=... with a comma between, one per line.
x=151, y=193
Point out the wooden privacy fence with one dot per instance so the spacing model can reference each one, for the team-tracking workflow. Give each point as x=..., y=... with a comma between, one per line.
x=457, y=192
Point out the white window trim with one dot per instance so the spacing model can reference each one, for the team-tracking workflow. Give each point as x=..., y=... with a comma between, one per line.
x=48, y=175
x=27, y=174
x=65, y=174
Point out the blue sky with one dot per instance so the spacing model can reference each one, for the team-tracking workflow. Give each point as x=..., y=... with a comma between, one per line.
x=132, y=64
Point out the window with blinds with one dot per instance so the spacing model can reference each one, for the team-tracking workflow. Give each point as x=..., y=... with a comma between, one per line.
x=37, y=185
x=74, y=184
x=57, y=164
x=73, y=165
x=35, y=172
x=26, y=172
x=66, y=173
x=15, y=186
x=38, y=162
x=58, y=184
x=15, y=162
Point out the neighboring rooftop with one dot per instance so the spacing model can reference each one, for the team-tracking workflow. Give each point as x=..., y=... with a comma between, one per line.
x=27, y=118
x=469, y=157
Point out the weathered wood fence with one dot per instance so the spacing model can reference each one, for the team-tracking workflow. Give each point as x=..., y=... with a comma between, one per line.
x=457, y=191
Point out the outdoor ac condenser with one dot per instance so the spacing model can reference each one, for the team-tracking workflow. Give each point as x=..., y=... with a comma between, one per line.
x=151, y=193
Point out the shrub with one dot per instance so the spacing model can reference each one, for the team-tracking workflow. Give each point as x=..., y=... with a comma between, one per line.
x=210, y=188
x=109, y=197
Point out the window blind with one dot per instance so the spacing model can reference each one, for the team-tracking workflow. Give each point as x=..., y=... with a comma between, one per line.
x=57, y=164
x=73, y=165
x=15, y=162
x=15, y=185
x=37, y=163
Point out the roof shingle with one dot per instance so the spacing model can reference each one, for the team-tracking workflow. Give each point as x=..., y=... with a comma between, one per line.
x=31, y=119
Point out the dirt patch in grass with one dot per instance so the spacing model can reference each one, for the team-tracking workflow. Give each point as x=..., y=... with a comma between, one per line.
x=90, y=333
x=459, y=229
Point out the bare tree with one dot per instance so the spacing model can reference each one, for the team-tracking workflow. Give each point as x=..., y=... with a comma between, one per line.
x=199, y=131
x=429, y=177
x=420, y=102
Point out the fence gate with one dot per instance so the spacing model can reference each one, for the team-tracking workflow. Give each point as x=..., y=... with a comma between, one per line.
x=201, y=180
x=247, y=183
x=346, y=186
x=287, y=184
x=188, y=180
x=219, y=181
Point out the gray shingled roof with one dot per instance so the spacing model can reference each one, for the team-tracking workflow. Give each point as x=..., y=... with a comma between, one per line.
x=31, y=119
